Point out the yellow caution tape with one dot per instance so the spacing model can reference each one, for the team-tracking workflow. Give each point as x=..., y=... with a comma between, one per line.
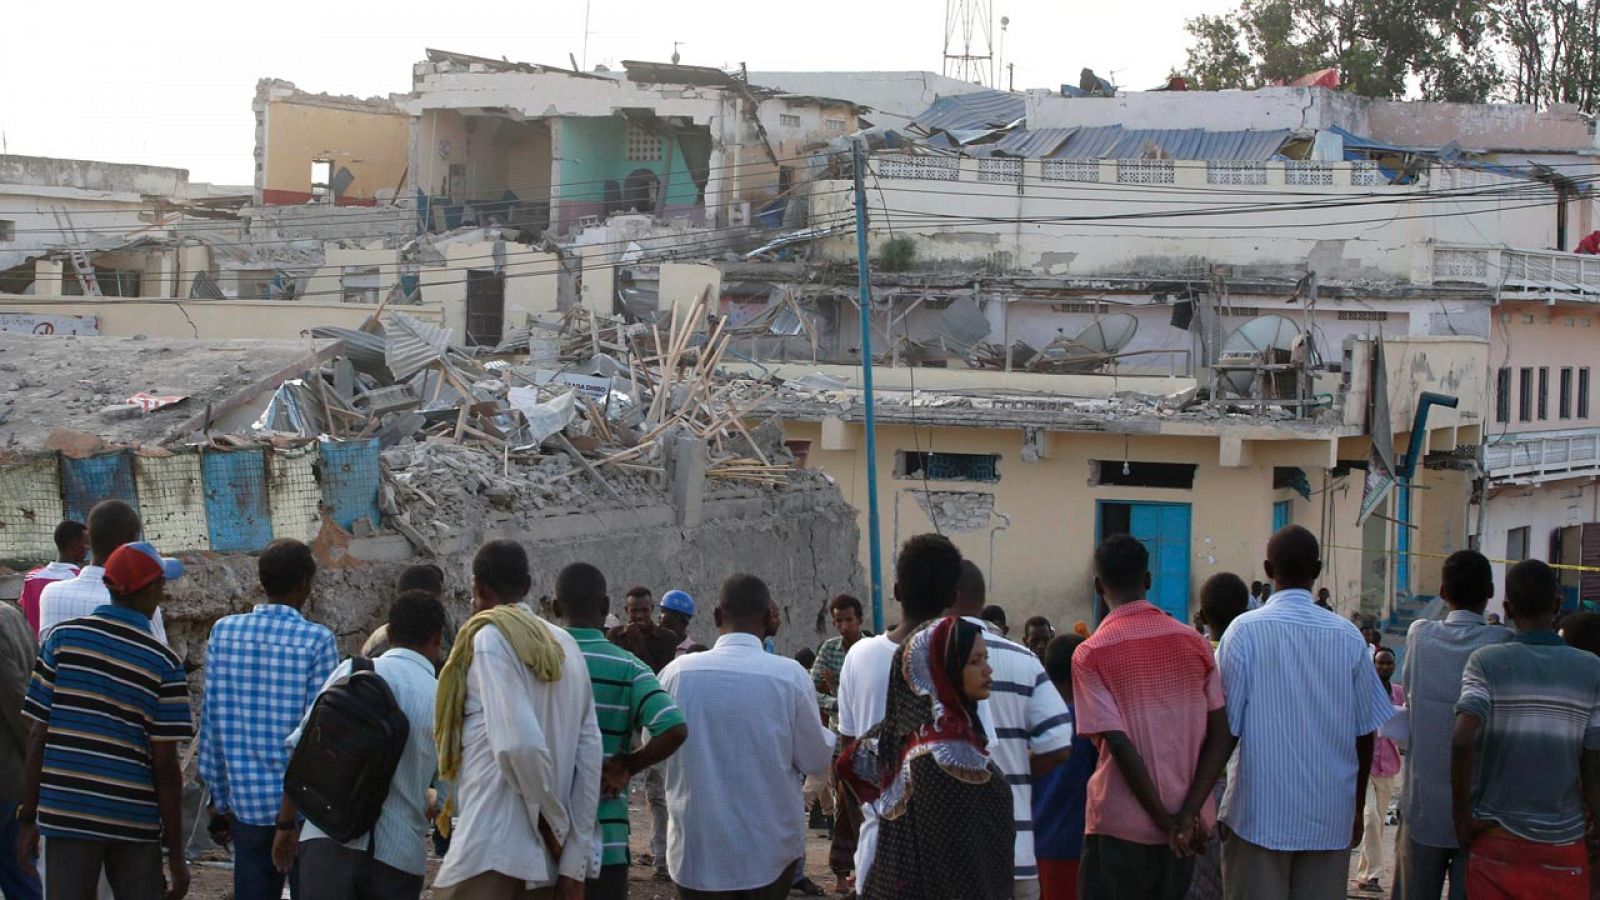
x=1499, y=562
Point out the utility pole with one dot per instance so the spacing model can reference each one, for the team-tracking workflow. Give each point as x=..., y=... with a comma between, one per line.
x=864, y=277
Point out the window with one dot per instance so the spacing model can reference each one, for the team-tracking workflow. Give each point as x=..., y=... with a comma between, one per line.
x=642, y=145
x=947, y=466
x=1502, y=400
x=834, y=126
x=8, y=230
x=360, y=284
x=1583, y=393
x=1363, y=315
x=1127, y=473
x=255, y=284
x=1544, y=393
x=1517, y=544
x=1565, y=406
x=321, y=178
x=1525, y=400
x=788, y=121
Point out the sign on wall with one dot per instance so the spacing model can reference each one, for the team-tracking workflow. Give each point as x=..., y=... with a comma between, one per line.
x=29, y=323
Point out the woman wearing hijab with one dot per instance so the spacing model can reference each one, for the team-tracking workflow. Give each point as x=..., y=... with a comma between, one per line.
x=945, y=810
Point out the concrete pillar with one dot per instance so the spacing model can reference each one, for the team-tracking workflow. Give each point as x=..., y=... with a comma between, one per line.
x=47, y=277
x=688, y=470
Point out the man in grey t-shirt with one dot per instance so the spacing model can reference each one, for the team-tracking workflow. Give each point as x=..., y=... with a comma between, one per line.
x=1525, y=756
x=1436, y=653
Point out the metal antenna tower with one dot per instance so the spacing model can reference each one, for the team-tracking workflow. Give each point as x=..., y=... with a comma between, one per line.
x=969, y=40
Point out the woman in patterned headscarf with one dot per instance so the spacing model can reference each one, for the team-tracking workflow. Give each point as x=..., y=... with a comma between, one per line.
x=946, y=828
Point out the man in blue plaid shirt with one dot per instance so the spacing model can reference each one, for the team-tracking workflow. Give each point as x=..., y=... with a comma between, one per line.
x=263, y=670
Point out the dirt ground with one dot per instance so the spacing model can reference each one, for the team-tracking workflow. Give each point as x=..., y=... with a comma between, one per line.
x=214, y=881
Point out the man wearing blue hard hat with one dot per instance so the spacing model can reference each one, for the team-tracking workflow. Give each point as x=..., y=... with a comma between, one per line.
x=677, y=608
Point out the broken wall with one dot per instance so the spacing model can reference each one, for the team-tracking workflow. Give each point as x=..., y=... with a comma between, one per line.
x=369, y=139
x=802, y=542
x=597, y=154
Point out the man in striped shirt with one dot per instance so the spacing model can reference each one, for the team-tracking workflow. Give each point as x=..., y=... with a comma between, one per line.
x=110, y=704
x=1304, y=702
x=1029, y=721
x=627, y=698
x=1525, y=756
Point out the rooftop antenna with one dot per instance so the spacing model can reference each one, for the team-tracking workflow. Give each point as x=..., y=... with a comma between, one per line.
x=675, y=56
x=1005, y=22
x=585, y=65
x=969, y=40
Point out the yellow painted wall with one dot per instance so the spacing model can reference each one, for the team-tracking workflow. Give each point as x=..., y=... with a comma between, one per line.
x=207, y=319
x=1041, y=563
x=373, y=146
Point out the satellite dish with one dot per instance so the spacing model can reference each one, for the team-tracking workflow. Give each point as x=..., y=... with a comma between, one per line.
x=1089, y=350
x=1262, y=340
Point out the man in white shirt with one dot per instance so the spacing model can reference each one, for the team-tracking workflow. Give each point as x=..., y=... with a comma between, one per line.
x=112, y=523
x=735, y=814
x=528, y=782
x=398, y=846
x=1030, y=730
x=925, y=576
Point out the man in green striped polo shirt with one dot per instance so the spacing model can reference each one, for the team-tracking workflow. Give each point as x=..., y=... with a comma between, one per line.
x=627, y=698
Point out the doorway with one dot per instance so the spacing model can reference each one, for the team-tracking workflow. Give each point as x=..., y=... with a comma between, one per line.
x=486, y=307
x=1163, y=529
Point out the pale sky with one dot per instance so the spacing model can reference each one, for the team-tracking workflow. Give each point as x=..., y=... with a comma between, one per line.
x=171, y=83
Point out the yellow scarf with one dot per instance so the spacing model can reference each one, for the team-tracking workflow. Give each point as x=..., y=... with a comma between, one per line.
x=534, y=645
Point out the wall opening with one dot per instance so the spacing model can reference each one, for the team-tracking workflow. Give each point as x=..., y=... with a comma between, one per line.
x=1129, y=473
x=947, y=466
x=321, y=179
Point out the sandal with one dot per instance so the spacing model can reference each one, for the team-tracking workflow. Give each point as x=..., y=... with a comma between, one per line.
x=807, y=887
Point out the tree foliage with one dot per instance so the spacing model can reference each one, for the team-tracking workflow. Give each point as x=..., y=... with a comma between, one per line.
x=1536, y=51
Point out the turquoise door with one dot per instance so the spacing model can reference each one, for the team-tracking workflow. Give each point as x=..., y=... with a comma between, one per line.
x=1163, y=528
x=1280, y=514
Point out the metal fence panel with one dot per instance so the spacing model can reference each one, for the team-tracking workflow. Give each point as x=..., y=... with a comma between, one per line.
x=293, y=493
x=350, y=480
x=237, y=514
x=85, y=482
x=171, y=501
x=30, y=509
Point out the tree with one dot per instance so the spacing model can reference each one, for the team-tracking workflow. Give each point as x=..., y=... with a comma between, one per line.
x=1217, y=60
x=1555, y=48
x=1380, y=47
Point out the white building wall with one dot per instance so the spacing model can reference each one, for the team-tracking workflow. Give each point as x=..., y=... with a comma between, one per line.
x=1542, y=509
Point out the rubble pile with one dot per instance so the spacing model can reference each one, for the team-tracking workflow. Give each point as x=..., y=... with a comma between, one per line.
x=562, y=415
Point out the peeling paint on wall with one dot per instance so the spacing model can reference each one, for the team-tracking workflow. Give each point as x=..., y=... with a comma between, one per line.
x=957, y=510
x=293, y=494
x=30, y=508
x=171, y=501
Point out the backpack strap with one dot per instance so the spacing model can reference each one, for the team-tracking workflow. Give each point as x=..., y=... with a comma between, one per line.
x=361, y=664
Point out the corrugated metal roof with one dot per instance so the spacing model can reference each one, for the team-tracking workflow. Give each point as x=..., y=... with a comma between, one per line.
x=1033, y=144
x=1116, y=142
x=412, y=344
x=981, y=109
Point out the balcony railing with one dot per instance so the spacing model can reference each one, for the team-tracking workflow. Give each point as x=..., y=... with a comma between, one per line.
x=1520, y=274
x=1526, y=458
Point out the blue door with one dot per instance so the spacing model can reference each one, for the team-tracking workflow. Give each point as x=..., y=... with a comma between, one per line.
x=1163, y=528
x=1280, y=514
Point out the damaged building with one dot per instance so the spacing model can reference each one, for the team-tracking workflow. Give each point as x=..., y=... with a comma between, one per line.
x=388, y=446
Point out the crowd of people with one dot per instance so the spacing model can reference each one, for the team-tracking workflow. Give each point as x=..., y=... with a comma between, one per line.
x=1245, y=756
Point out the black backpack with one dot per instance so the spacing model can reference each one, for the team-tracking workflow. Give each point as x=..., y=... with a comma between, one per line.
x=349, y=749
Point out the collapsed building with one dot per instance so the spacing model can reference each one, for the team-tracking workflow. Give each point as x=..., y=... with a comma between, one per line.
x=1089, y=310
x=388, y=446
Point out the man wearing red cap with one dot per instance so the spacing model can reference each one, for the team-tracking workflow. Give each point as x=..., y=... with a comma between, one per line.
x=104, y=689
